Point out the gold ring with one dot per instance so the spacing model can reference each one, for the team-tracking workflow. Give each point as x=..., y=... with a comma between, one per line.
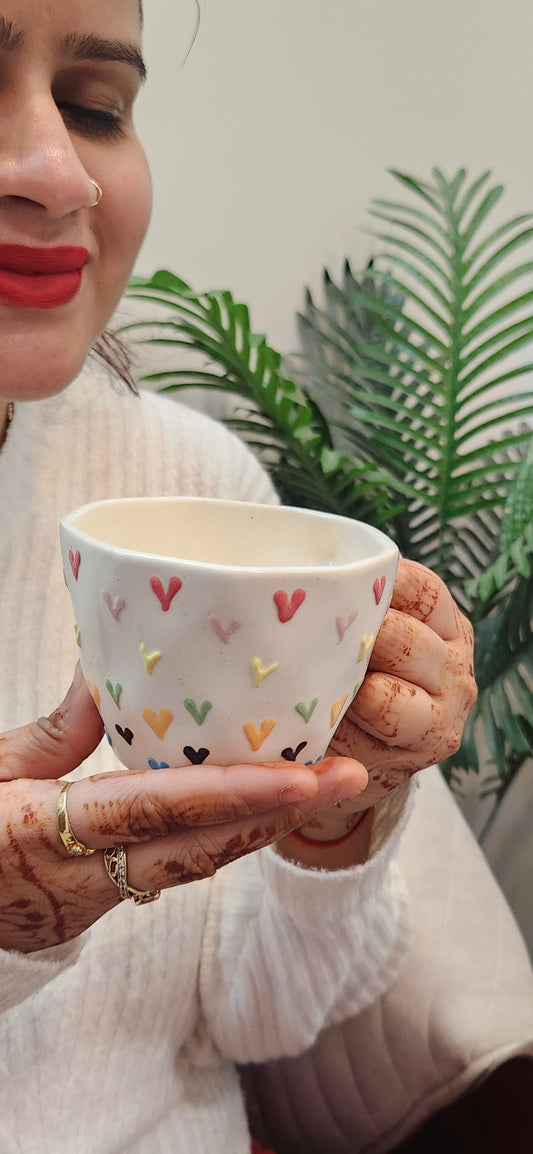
x=99, y=193
x=74, y=847
x=117, y=869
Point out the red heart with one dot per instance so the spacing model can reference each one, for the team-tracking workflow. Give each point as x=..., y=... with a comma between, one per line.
x=378, y=587
x=286, y=608
x=75, y=560
x=167, y=598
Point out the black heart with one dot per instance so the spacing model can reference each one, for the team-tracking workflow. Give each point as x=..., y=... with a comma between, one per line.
x=196, y=756
x=291, y=754
x=125, y=733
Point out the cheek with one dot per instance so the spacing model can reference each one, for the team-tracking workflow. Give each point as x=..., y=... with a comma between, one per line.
x=125, y=222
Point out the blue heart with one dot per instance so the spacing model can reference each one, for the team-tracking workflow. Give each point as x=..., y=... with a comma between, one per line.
x=157, y=764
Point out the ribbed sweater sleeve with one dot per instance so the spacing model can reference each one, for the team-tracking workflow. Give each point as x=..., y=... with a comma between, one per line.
x=342, y=936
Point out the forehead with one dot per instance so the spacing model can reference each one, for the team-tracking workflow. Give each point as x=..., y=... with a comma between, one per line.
x=44, y=19
x=72, y=30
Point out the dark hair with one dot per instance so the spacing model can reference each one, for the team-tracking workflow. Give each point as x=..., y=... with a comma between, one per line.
x=111, y=351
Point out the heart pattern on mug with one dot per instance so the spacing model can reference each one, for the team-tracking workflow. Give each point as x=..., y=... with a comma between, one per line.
x=199, y=712
x=366, y=644
x=165, y=597
x=287, y=609
x=378, y=587
x=157, y=764
x=291, y=754
x=337, y=708
x=158, y=722
x=225, y=632
x=306, y=711
x=125, y=733
x=256, y=736
x=150, y=659
x=260, y=672
x=195, y=756
x=115, y=691
x=75, y=562
x=115, y=607
x=94, y=692
x=343, y=623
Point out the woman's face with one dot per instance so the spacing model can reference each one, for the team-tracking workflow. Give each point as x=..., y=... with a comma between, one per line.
x=70, y=72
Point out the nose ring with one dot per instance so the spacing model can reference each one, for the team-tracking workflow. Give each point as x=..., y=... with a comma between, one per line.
x=99, y=193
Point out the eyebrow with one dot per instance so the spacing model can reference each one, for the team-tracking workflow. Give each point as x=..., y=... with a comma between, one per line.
x=81, y=47
x=9, y=39
x=91, y=47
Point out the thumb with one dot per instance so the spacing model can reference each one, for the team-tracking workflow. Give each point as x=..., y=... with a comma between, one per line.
x=54, y=745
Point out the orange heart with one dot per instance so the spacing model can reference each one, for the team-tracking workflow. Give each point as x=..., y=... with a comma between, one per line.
x=93, y=690
x=337, y=707
x=159, y=722
x=256, y=736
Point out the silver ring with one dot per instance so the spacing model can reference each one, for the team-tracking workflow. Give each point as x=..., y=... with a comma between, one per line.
x=99, y=193
x=116, y=865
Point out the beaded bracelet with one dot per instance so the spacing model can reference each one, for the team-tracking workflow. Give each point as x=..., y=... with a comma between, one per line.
x=310, y=842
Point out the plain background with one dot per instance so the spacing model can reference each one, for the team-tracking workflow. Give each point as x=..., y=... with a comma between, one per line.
x=268, y=143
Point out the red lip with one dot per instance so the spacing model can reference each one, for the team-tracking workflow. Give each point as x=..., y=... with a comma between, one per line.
x=42, y=278
x=27, y=260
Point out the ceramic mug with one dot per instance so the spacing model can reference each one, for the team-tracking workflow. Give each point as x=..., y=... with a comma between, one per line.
x=220, y=631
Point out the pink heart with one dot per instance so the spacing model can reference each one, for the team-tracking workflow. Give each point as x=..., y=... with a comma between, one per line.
x=115, y=607
x=286, y=608
x=75, y=560
x=343, y=625
x=378, y=587
x=225, y=633
x=166, y=598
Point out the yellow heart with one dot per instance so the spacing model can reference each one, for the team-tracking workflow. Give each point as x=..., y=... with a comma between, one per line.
x=366, y=644
x=260, y=672
x=159, y=722
x=150, y=659
x=77, y=635
x=336, y=708
x=256, y=736
x=93, y=690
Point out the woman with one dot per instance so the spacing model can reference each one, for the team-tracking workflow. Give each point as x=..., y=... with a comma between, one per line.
x=121, y=1033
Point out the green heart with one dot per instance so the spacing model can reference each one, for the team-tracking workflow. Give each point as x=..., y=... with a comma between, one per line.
x=200, y=713
x=115, y=691
x=306, y=711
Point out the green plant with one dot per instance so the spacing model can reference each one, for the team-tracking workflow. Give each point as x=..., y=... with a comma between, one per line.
x=404, y=410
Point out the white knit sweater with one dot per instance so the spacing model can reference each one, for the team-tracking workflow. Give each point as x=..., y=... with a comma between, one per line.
x=124, y=1041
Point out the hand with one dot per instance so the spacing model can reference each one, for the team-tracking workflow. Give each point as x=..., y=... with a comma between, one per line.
x=178, y=824
x=412, y=706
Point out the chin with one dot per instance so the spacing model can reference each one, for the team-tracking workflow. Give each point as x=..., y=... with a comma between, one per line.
x=37, y=367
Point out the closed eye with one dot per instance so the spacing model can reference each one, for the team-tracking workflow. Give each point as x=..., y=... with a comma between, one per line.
x=94, y=123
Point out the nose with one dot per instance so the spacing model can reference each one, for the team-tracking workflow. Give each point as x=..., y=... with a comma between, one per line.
x=39, y=162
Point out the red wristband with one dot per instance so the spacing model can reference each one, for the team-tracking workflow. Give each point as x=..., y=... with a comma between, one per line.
x=309, y=841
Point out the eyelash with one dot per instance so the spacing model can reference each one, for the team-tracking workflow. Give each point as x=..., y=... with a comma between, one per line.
x=96, y=123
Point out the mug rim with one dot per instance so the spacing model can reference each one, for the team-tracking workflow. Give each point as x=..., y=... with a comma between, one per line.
x=385, y=549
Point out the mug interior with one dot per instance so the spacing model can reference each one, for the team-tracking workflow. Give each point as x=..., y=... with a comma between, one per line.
x=230, y=533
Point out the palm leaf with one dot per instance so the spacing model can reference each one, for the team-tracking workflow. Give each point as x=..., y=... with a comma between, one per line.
x=278, y=419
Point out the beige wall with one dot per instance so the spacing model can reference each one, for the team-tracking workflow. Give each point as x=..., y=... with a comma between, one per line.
x=268, y=144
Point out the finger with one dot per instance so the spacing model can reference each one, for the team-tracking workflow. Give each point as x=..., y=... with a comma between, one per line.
x=420, y=593
x=198, y=852
x=394, y=711
x=131, y=807
x=409, y=649
x=53, y=746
